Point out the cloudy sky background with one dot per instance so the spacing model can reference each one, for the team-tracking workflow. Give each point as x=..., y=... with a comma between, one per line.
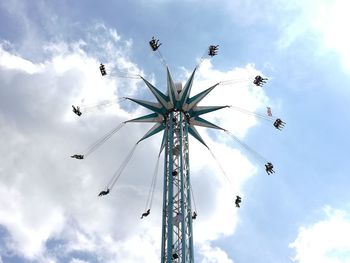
x=49, y=57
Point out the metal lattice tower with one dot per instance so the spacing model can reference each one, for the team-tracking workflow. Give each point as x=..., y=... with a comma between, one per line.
x=177, y=114
x=177, y=215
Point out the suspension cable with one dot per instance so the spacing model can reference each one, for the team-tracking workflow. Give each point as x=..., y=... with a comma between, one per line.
x=202, y=58
x=120, y=74
x=93, y=147
x=193, y=200
x=233, y=81
x=85, y=108
x=161, y=58
x=259, y=115
x=220, y=166
x=153, y=186
x=124, y=76
x=120, y=170
x=96, y=104
x=249, y=149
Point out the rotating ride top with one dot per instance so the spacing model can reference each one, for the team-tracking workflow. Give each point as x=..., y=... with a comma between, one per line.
x=176, y=113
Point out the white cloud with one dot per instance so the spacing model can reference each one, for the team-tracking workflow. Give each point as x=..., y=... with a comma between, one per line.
x=322, y=24
x=213, y=254
x=326, y=241
x=41, y=188
x=11, y=61
x=76, y=260
x=325, y=21
x=47, y=196
x=332, y=22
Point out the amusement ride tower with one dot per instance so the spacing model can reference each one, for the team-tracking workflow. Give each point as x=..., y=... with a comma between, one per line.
x=177, y=114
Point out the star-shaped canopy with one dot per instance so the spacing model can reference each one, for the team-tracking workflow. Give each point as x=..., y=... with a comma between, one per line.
x=176, y=101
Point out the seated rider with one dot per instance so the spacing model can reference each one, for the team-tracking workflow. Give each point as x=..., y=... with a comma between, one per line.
x=269, y=168
x=104, y=192
x=259, y=81
x=279, y=124
x=238, y=201
x=213, y=50
x=146, y=214
x=256, y=82
x=78, y=156
x=76, y=110
x=154, y=43
x=194, y=216
x=103, y=70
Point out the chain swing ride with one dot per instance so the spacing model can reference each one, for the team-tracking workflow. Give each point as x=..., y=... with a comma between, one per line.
x=176, y=113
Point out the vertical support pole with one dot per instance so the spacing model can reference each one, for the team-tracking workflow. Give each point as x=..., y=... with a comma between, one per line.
x=170, y=190
x=190, y=230
x=183, y=200
x=177, y=240
x=165, y=193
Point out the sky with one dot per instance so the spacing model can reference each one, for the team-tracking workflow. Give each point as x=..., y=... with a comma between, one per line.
x=50, y=52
